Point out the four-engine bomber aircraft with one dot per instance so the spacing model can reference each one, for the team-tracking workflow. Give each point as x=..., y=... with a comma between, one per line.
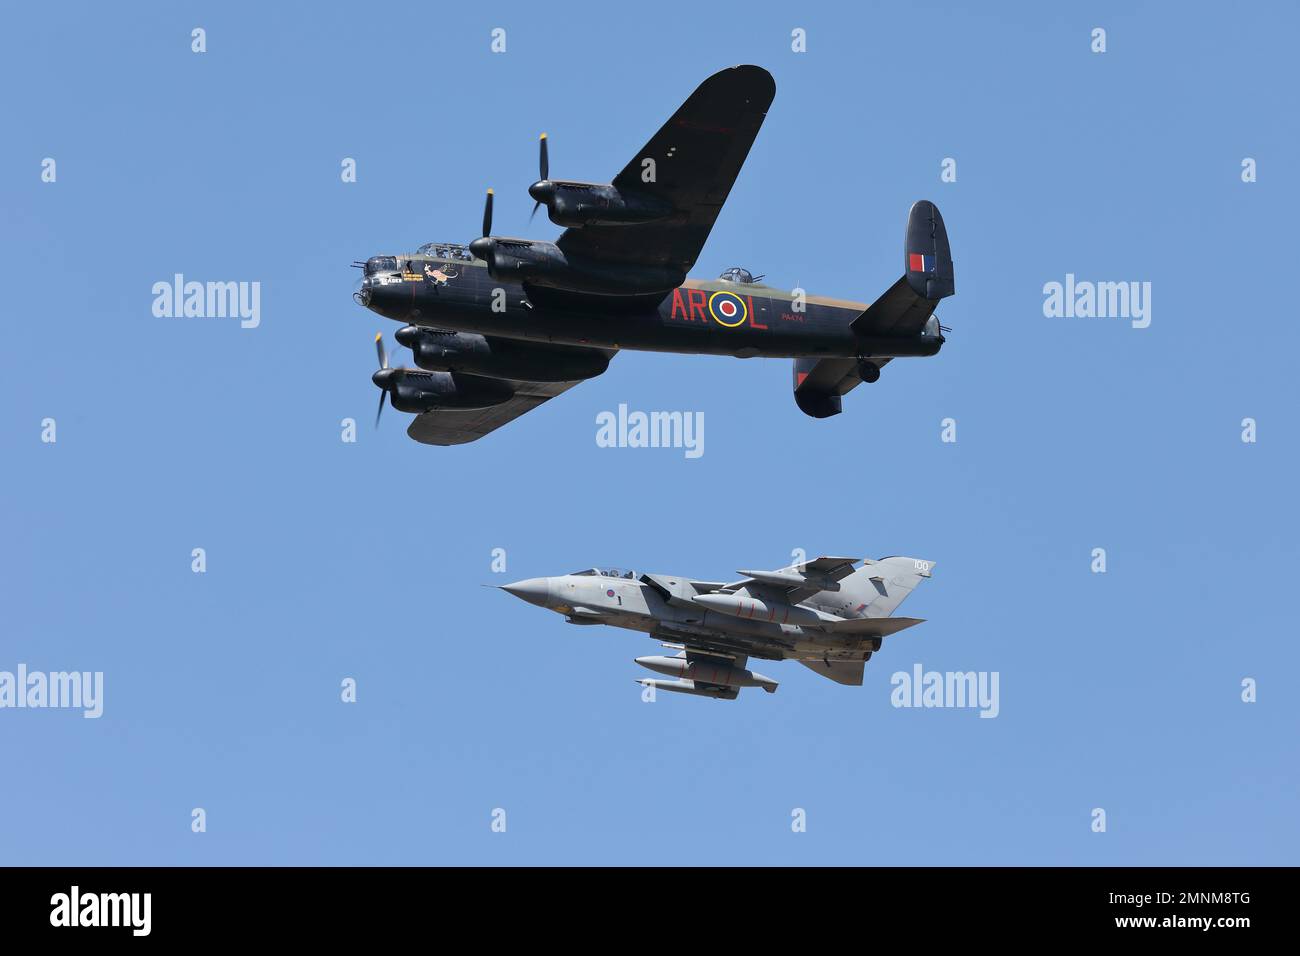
x=825, y=614
x=503, y=325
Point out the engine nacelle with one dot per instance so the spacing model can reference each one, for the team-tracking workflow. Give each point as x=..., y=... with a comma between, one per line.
x=574, y=205
x=424, y=391
x=544, y=263
x=500, y=358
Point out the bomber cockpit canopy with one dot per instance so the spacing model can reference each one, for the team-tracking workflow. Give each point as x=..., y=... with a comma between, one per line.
x=445, y=250
x=604, y=573
x=739, y=275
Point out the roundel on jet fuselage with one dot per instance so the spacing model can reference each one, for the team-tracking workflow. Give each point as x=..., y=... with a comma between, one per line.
x=727, y=308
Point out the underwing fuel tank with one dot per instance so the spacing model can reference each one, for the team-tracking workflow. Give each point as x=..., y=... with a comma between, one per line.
x=708, y=673
x=755, y=609
x=688, y=687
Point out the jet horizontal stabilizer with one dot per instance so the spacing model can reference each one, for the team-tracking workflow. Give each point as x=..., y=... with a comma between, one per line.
x=873, y=626
x=842, y=672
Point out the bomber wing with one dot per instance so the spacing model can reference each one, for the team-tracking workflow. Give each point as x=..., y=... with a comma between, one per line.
x=456, y=426
x=691, y=164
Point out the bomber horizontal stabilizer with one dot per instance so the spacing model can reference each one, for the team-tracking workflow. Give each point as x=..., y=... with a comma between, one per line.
x=820, y=383
x=900, y=322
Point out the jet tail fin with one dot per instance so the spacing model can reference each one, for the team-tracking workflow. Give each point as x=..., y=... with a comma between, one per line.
x=883, y=585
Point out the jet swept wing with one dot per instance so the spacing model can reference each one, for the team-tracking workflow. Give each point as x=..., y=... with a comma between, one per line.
x=801, y=581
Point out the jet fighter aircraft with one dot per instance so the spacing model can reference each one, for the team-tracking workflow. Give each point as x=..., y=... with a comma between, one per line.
x=826, y=614
x=501, y=326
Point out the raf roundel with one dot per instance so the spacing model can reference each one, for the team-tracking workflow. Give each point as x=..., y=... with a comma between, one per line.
x=727, y=309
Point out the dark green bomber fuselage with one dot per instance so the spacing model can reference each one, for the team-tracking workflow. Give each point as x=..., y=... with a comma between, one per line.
x=746, y=320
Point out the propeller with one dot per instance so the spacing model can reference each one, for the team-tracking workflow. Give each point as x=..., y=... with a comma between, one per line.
x=481, y=248
x=385, y=377
x=543, y=188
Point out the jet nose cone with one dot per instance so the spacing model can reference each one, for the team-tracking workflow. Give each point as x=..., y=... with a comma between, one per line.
x=534, y=590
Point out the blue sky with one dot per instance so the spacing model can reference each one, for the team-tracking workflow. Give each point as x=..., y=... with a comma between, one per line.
x=329, y=560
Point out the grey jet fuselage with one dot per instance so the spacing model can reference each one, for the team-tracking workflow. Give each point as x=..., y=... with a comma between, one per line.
x=825, y=613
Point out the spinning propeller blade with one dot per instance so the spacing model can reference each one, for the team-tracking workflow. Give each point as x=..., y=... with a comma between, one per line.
x=385, y=378
x=543, y=167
